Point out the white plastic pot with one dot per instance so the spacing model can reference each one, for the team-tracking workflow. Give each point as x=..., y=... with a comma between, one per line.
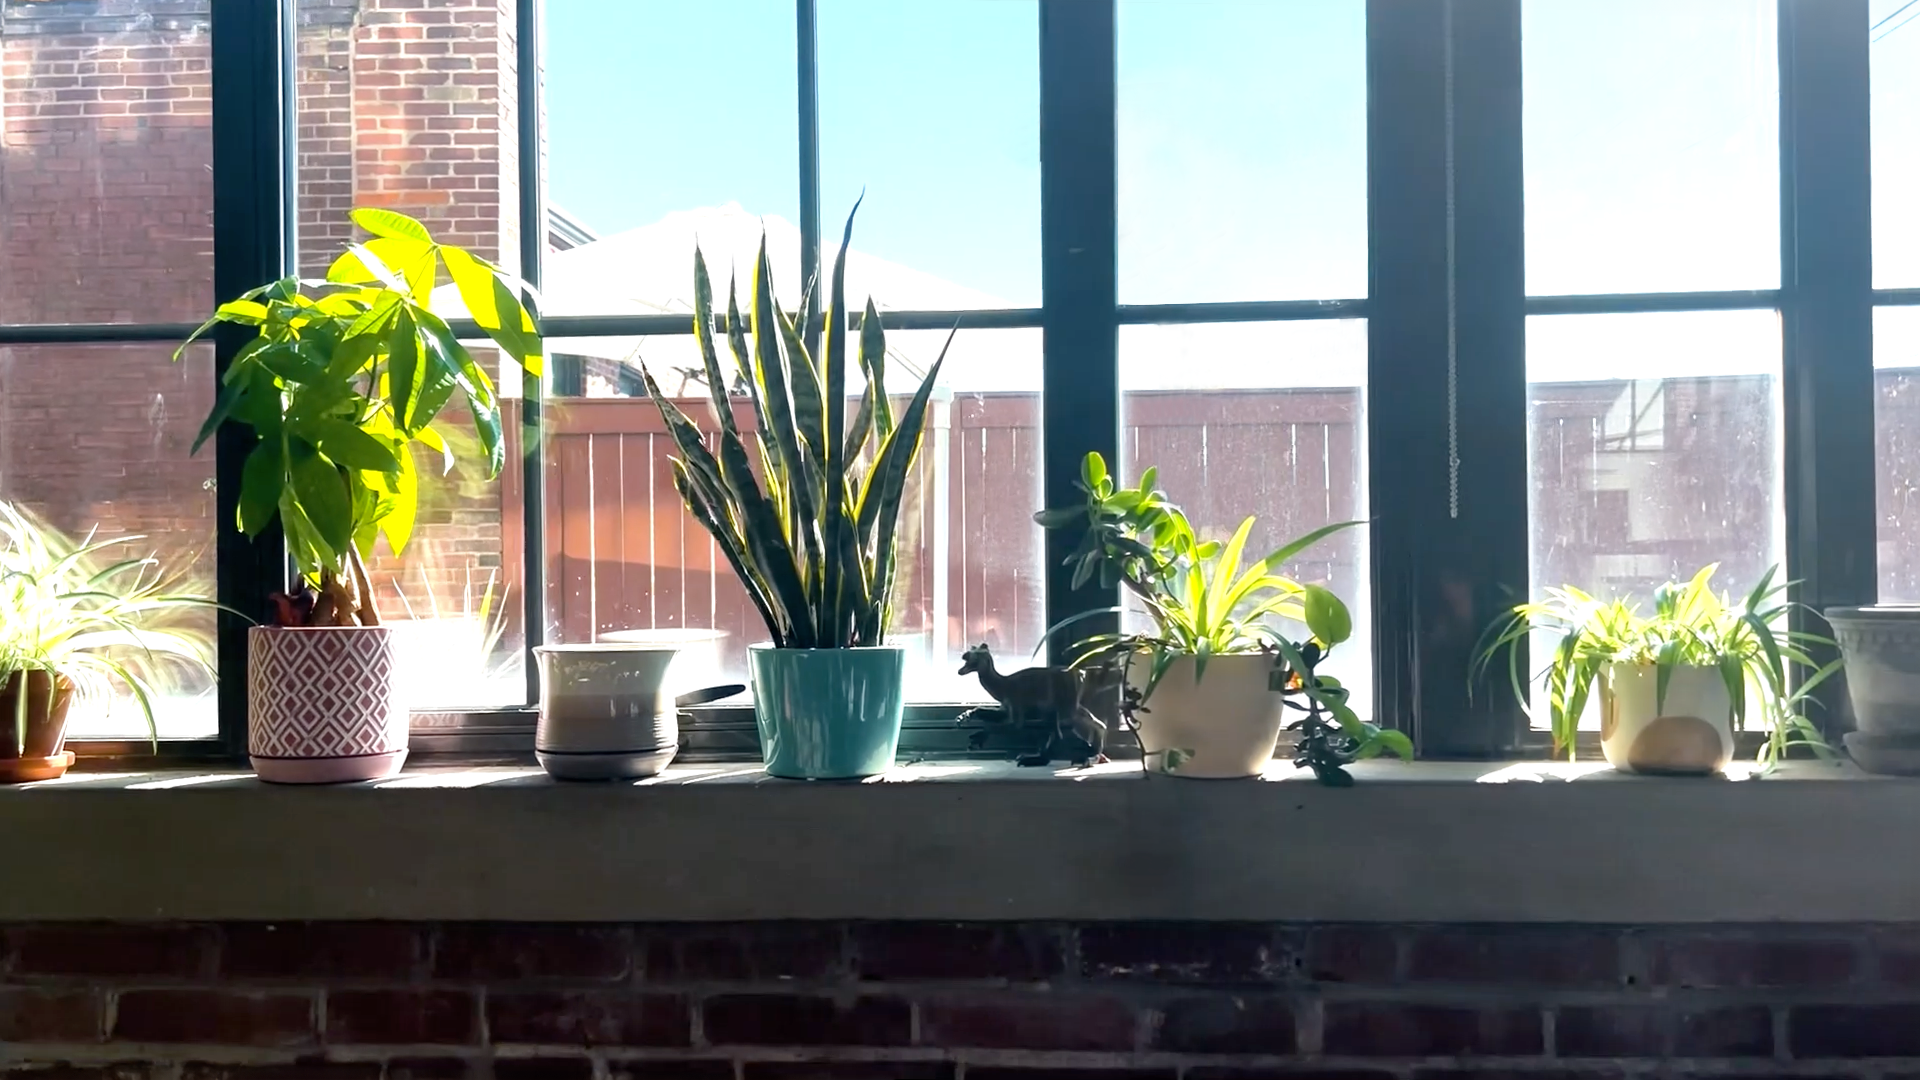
x=1690, y=733
x=1223, y=726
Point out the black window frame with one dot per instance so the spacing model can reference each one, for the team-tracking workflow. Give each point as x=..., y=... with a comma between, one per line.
x=1447, y=477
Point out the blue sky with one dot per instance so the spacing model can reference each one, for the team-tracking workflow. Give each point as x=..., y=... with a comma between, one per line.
x=1651, y=129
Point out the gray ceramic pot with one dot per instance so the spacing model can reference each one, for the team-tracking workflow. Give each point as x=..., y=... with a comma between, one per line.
x=606, y=712
x=1881, y=647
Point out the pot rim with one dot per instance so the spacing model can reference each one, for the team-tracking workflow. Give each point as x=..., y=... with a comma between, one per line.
x=590, y=647
x=1881, y=612
x=770, y=647
x=261, y=627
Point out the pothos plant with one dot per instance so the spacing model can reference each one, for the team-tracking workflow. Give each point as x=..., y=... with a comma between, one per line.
x=1203, y=603
x=1749, y=643
x=345, y=376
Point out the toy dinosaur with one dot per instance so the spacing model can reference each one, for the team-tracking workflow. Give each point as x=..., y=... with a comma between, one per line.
x=1056, y=701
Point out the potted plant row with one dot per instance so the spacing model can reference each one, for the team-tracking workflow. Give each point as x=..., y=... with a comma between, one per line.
x=83, y=622
x=344, y=378
x=808, y=518
x=1674, y=683
x=1209, y=687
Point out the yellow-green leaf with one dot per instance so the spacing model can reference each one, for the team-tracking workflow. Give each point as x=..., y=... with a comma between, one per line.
x=389, y=223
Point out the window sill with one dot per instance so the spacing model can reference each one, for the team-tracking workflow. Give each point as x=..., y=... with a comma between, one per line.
x=1427, y=842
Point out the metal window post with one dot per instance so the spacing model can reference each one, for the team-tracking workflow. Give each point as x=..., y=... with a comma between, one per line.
x=1446, y=362
x=252, y=45
x=1826, y=266
x=1080, y=381
x=529, y=56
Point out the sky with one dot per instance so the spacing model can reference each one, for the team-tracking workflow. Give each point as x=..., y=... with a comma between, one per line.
x=1651, y=132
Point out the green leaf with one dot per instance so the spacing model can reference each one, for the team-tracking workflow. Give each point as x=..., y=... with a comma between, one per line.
x=389, y=223
x=406, y=371
x=352, y=447
x=323, y=496
x=1326, y=616
x=262, y=479
x=399, y=512
x=1093, y=471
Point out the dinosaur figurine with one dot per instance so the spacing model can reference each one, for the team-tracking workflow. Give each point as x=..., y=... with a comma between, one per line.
x=1050, y=698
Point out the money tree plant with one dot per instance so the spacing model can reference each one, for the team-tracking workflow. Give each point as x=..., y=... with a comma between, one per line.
x=344, y=377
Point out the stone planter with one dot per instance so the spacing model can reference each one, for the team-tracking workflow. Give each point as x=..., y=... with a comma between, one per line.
x=1881, y=647
x=1690, y=733
x=1224, y=726
x=322, y=706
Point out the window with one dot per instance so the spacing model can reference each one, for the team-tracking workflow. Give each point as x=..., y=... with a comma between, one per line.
x=1652, y=143
x=106, y=197
x=1550, y=292
x=1894, y=53
x=407, y=109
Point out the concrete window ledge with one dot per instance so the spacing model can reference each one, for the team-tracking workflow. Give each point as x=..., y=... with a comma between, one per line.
x=1430, y=842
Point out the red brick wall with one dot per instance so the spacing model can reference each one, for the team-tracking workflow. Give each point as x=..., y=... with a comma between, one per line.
x=820, y=1000
x=105, y=216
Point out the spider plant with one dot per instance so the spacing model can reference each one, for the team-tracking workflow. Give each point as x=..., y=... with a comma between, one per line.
x=1748, y=642
x=1204, y=600
x=80, y=612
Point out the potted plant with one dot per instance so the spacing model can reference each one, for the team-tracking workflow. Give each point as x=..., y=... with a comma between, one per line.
x=1676, y=684
x=345, y=377
x=1881, y=646
x=1210, y=685
x=80, y=622
x=811, y=532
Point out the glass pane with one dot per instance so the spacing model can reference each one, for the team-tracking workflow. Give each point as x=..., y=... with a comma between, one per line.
x=1655, y=449
x=1894, y=52
x=412, y=110
x=106, y=186
x=1243, y=150
x=1896, y=380
x=95, y=438
x=902, y=88
x=624, y=555
x=1652, y=145
x=409, y=108
x=665, y=120
x=1264, y=419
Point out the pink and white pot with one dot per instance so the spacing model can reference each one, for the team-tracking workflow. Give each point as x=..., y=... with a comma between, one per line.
x=321, y=706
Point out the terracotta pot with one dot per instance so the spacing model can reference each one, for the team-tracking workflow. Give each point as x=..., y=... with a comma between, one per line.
x=1224, y=726
x=321, y=704
x=1691, y=732
x=42, y=757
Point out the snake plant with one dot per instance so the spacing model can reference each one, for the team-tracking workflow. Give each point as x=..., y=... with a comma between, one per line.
x=811, y=535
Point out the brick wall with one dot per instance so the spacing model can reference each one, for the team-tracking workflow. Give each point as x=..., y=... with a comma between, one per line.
x=875, y=1001
x=105, y=216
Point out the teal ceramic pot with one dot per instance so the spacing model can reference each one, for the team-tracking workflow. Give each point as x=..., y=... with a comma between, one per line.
x=827, y=714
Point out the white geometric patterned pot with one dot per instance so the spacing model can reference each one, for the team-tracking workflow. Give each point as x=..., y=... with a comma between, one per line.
x=321, y=706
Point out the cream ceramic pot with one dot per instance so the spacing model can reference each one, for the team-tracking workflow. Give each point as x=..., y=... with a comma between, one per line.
x=1223, y=726
x=1691, y=732
x=606, y=710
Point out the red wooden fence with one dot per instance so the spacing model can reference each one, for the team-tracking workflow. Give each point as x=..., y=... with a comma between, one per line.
x=1632, y=483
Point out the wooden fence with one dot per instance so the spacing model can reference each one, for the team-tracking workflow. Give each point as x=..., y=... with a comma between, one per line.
x=1632, y=483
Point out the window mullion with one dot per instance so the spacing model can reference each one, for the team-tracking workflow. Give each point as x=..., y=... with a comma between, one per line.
x=1080, y=383
x=1446, y=372
x=250, y=46
x=1826, y=267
